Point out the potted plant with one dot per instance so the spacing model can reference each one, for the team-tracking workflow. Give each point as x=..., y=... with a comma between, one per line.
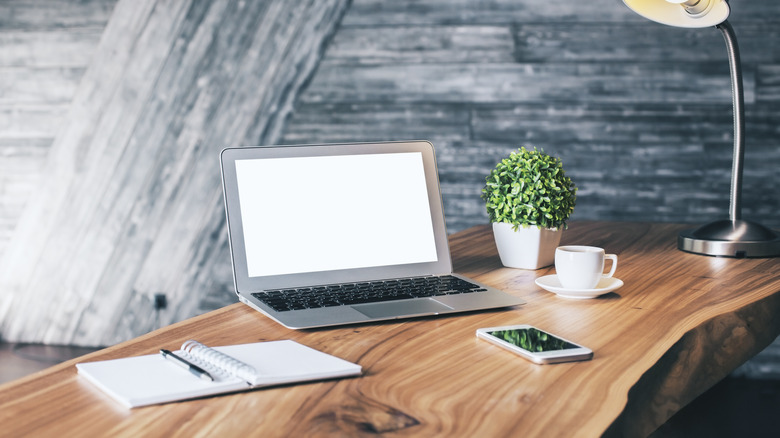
x=529, y=198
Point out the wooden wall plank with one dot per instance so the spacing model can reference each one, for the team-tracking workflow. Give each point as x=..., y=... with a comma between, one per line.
x=522, y=82
x=22, y=121
x=22, y=85
x=334, y=123
x=53, y=48
x=639, y=42
x=442, y=12
x=48, y=14
x=421, y=44
x=768, y=83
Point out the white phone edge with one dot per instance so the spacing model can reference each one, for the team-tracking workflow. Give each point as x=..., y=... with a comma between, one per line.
x=549, y=357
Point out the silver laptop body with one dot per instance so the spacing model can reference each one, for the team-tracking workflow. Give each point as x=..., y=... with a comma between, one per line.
x=303, y=220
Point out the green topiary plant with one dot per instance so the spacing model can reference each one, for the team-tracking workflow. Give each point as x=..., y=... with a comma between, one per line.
x=529, y=188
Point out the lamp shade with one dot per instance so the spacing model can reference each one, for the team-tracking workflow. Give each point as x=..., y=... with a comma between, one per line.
x=682, y=13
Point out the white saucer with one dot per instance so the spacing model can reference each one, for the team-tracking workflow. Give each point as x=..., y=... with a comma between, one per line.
x=553, y=284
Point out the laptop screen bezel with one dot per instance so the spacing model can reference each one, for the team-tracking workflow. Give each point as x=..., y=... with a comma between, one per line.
x=246, y=284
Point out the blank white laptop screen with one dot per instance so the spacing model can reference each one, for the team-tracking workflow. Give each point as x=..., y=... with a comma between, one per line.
x=314, y=214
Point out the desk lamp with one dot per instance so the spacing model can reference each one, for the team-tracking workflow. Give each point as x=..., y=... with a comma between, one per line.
x=733, y=237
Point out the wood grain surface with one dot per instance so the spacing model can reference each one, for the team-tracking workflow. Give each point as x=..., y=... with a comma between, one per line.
x=680, y=324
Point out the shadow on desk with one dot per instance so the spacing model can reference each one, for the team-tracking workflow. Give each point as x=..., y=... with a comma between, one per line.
x=735, y=407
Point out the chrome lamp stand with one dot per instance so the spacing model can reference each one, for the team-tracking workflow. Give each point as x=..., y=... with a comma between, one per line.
x=734, y=237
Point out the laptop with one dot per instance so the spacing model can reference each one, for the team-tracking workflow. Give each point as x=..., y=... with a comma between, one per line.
x=324, y=235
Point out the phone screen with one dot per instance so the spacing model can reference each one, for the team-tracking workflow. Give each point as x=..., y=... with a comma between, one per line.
x=531, y=339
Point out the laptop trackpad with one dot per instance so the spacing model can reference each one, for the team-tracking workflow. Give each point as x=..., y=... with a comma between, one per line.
x=402, y=308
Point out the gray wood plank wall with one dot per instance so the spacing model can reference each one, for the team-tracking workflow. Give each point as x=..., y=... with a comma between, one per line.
x=45, y=47
x=130, y=203
x=640, y=114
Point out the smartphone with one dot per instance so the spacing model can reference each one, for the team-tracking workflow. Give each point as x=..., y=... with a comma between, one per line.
x=534, y=344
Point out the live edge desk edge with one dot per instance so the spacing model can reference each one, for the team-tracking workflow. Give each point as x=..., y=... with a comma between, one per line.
x=679, y=324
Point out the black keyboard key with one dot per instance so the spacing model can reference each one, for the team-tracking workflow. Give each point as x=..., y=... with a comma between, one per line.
x=365, y=292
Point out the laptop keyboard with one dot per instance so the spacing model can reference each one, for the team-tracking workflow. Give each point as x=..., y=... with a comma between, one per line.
x=368, y=292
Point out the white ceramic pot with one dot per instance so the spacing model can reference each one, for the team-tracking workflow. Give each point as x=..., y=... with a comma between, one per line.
x=526, y=248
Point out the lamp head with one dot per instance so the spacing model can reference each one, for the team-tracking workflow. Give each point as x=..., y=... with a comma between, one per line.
x=682, y=13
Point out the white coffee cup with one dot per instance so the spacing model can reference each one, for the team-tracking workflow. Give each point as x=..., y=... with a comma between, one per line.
x=582, y=267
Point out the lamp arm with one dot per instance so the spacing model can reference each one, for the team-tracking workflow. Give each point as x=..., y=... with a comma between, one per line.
x=735, y=207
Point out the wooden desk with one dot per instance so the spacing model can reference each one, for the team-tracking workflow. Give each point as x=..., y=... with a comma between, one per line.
x=681, y=323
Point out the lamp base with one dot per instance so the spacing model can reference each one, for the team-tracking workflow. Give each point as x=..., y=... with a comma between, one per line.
x=726, y=238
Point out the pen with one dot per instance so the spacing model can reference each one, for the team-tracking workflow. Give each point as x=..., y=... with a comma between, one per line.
x=191, y=367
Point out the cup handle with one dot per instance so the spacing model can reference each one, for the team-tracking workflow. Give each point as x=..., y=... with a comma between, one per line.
x=612, y=257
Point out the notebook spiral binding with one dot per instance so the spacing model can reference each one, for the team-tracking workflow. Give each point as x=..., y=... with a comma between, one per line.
x=220, y=360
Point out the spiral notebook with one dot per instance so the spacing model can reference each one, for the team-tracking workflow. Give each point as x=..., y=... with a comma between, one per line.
x=151, y=379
